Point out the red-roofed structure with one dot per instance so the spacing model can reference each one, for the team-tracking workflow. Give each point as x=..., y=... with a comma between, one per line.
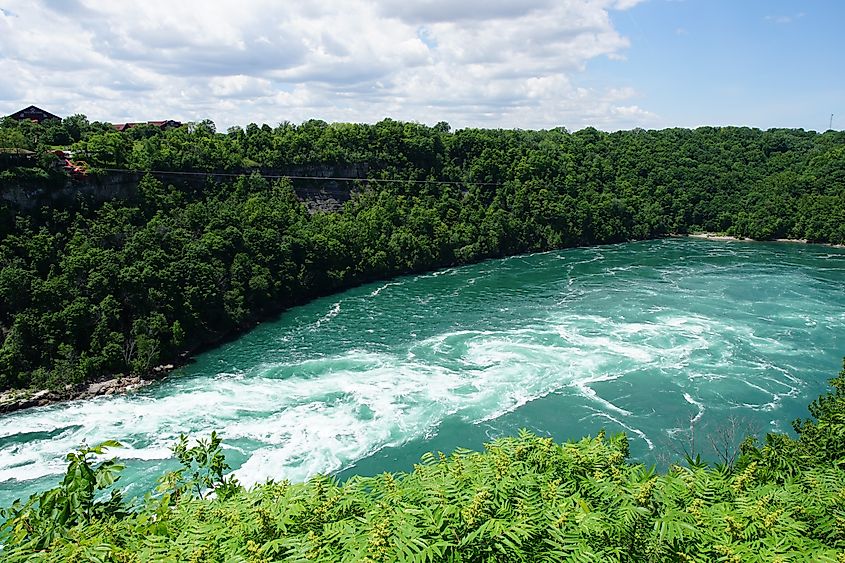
x=163, y=124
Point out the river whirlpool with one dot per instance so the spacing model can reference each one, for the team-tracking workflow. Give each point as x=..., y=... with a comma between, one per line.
x=652, y=338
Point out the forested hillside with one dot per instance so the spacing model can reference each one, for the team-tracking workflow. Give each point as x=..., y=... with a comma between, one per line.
x=88, y=290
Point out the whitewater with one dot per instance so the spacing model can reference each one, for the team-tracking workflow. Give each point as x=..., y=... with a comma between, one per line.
x=660, y=339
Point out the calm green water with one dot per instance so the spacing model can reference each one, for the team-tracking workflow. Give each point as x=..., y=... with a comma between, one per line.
x=649, y=338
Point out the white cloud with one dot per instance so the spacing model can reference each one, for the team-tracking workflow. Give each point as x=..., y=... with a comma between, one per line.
x=626, y=4
x=240, y=86
x=476, y=62
x=784, y=19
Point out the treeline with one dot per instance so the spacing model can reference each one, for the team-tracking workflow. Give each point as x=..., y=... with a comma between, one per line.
x=523, y=499
x=91, y=290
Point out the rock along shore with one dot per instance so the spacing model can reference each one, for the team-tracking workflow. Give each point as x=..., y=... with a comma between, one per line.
x=19, y=399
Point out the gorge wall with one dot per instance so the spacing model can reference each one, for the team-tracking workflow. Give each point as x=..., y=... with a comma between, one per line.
x=323, y=187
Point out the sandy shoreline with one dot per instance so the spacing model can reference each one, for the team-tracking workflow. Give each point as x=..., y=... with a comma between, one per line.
x=725, y=238
x=714, y=236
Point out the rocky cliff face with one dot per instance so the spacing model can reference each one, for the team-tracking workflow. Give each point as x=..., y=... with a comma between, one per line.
x=25, y=194
x=323, y=187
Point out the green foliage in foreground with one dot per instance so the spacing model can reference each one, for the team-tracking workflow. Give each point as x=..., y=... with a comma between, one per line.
x=523, y=499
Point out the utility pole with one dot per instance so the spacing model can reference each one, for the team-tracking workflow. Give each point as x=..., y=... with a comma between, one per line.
x=831, y=122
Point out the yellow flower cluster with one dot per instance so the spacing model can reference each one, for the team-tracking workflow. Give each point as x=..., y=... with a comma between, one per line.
x=644, y=495
x=476, y=510
x=744, y=478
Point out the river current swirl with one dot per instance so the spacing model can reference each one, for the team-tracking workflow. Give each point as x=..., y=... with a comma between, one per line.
x=650, y=338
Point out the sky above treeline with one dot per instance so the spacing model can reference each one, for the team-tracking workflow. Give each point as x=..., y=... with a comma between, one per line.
x=529, y=64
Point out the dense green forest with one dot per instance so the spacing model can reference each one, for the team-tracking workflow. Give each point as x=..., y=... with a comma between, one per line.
x=92, y=289
x=523, y=499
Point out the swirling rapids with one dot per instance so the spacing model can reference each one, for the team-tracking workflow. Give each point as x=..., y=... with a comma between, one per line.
x=647, y=337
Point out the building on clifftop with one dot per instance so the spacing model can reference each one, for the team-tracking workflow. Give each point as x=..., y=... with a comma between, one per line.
x=33, y=113
x=163, y=124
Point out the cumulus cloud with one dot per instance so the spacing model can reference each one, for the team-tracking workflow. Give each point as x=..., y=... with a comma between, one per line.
x=431, y=11
x=473, y=63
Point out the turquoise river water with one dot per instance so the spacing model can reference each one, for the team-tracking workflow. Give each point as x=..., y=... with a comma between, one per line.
x=652, y=338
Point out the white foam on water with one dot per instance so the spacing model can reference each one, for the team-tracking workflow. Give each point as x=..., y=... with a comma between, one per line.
x=693, y=324
x=333, y=312
x=792, y=390
x=672, y=432
x=700, y=406
x=327, y=414
x=502, y=371
x=440, y=341
x=616, y=269
x=627, y=427
x=438, y=273
x=378, y=290
x=765, y=391
x=637, y=328
x=591, y=394
x=89, y=423
x=332, y=421
x=30, y=470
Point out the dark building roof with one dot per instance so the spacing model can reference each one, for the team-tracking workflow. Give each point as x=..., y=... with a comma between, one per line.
x=124, y=126
x=163, y=124
x=33, y=113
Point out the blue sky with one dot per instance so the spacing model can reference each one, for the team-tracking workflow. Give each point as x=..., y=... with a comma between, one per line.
x=716, y=62
x=610, y=64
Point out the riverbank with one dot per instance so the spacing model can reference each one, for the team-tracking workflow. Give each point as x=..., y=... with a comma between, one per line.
x=715, y=236
x=19, y=399
x=726, y=238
